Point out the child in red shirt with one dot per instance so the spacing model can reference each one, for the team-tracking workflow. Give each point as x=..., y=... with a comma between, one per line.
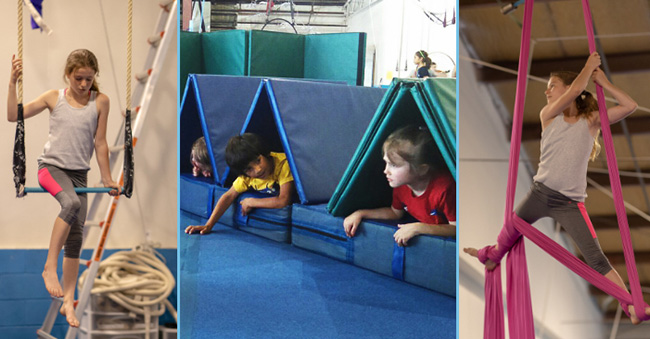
x=420, y=185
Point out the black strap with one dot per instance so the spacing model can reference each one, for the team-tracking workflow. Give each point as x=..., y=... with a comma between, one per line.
x=19, y=164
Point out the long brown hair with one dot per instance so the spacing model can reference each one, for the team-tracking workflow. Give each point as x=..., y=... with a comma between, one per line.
x=585, y=103
x=82, y=58
x=415, y=145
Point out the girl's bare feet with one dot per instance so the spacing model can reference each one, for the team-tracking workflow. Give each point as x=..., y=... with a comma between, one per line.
x=489, y=264
x=67, y=310
x=52, y=283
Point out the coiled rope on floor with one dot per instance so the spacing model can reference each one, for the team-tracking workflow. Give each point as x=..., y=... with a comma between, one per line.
x=137, y=280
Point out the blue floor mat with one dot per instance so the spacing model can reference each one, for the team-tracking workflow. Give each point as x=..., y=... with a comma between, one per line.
x=236, y=285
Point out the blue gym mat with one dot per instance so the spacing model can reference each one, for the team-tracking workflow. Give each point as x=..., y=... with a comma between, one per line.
x=427, y=261
x=318, y=125
x=236, y=285
x=214, y=106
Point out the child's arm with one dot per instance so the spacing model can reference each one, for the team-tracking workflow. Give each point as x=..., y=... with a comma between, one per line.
x=578, y=85
x=626, y=105
x=222, y=205
x=45, y=100
x=351, y=223
x=101, y=146
x=408, y=231
x=281, y=200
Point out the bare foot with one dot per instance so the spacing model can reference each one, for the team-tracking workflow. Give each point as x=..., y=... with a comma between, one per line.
x=67, y=310
x=635, y=320
x=489, y=264
x=52, y=283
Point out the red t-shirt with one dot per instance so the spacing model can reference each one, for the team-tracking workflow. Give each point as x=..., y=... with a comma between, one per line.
x=436, y=206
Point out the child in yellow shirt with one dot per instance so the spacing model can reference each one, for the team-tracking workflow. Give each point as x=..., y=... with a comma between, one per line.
x=258, y=169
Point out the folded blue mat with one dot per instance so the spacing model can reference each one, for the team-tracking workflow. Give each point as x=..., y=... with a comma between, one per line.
x=427, y=261
x=270, y=223
x=298, y=118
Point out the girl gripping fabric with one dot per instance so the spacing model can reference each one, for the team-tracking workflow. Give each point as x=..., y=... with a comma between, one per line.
x=259, y=170
x=420, y=187
x=78, y=118
x=570, y=128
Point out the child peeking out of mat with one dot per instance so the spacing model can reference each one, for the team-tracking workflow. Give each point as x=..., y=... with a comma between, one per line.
x=422, y=186
x=200, y=158
x=258, y=169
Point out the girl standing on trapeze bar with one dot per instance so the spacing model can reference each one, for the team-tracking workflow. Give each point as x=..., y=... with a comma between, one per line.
x=570, y=129
x=78, y=118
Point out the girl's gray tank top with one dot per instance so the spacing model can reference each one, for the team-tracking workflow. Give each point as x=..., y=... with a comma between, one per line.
x=71, y=138
x=565, y=150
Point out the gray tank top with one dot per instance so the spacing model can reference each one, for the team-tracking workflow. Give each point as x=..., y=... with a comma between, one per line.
x=565, y=151
x=71, y=139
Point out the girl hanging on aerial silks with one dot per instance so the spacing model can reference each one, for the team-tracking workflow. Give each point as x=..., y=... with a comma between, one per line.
x=570, y=129
x=78, y=118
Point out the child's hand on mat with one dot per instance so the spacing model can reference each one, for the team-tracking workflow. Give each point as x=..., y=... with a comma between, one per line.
x=351, y=223
x=247, y=206
x=198, y=229
x=489, y=264
x=113, y=184
x=405, y=232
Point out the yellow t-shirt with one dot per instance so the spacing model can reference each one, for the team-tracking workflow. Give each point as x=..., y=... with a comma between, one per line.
x=281, y=175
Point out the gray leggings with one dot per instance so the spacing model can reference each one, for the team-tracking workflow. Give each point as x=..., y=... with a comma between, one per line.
x=542, y=201
x=61, y=183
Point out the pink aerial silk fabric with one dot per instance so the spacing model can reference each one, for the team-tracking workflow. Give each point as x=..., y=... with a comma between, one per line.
x=510, y=240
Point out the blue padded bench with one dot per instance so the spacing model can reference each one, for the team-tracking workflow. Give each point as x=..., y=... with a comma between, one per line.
x=196, y=195
x=428, y=261
x=198, y=198
x=272, y=224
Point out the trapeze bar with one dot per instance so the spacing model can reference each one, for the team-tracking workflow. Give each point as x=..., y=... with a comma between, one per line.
x=77, y=189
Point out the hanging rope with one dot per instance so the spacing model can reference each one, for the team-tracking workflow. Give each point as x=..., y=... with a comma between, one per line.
x=128, y=135
x=510, y=238
x=19, y=160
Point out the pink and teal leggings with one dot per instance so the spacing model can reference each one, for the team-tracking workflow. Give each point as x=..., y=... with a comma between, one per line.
x=61, y=183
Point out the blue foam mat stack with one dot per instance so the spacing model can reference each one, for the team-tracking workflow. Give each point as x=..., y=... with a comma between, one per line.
x=330, y=134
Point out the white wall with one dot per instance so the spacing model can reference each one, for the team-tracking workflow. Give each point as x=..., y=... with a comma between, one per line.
x=562, y=305
x=395, y=44
x=27, y=223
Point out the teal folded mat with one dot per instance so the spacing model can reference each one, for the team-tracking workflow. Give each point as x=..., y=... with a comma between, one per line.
x=191, y=56
x=333, y=57
x=225, y=52
x=364, y=184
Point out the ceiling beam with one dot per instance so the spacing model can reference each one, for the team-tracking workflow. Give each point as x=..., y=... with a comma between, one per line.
x=618, y=63
x=603, y=178
x=604, y=222
x=617, y=258
x=635, y=125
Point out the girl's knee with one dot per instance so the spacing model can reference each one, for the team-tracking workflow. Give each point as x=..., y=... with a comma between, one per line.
x=70, y=205
x=600, y=264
